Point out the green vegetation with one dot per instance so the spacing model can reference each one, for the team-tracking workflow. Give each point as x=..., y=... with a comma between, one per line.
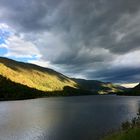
x=130, y=130
x=14, y=91
x=131, y=92
x=133, y=134
x=98, y=86
x=23, y=81
x=34, y=76
x=20, y=80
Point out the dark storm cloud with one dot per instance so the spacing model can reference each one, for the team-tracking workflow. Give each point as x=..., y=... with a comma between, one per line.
x=24, y=14
x=125, y=75
x=93, y=32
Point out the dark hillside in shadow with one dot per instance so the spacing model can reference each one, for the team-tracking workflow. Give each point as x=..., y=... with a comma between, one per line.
x=131, y=92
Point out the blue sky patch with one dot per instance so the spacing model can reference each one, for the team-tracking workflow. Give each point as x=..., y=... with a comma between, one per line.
x=24, y=59
x=3, y=51
x=4, y=34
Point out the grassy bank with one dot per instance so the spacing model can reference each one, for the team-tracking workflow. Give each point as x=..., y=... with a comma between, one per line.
x=131, y=134
x=130, y=130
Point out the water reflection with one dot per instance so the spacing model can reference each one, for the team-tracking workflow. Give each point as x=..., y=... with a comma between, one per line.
x=71, y=118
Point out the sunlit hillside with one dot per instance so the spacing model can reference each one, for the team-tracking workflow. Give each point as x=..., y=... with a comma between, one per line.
x=34, y=76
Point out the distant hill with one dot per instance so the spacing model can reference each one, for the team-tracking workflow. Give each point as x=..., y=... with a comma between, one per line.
x=132, y=91
x=34, y=76
x=135, y=91
x=98, y=86
x=137, y=88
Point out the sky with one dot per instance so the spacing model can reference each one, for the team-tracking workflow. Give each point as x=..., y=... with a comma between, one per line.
x=91, y=39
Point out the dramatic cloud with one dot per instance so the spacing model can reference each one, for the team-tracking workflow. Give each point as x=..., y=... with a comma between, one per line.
x=94, y=39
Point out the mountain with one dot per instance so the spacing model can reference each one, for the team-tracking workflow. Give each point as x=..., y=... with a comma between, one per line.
x=20, y=80
x=98, y=86
x=33, y=76
x=132, y=91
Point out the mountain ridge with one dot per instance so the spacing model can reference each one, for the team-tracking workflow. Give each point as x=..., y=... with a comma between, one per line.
x=99, y=86
x=34, y=76
x=20, y=76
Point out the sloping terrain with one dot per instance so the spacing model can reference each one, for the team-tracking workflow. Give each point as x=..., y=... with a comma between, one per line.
x=98, y=86
x=137, y=88
x=34, y=76
x=20, y=80
x=131, y=91
x=12, y=91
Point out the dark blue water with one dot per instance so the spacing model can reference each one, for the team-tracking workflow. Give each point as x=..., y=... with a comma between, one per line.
x=65, y=118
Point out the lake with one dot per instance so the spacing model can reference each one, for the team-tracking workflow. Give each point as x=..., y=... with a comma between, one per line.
x=65, y=118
